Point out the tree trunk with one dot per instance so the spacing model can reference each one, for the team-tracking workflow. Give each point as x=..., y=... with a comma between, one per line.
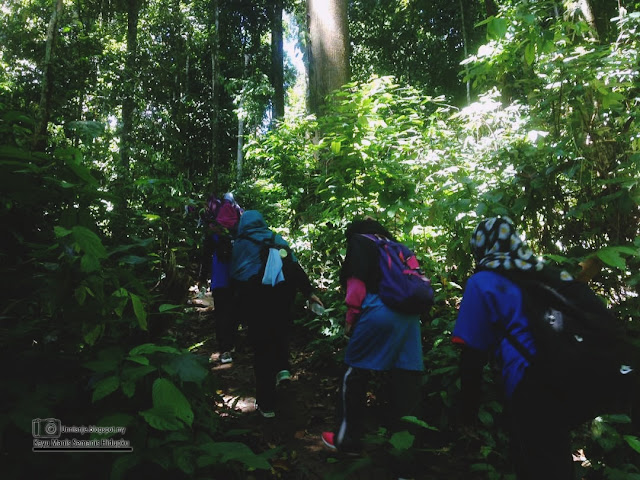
x=466, y=51
x=277, y=61
x=40, y=133
x=241, y=121
x=128, y=80
x=598, y=15
x=214, y=40
x=328, y=49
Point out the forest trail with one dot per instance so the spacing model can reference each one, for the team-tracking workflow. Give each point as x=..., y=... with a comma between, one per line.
x=305, y=409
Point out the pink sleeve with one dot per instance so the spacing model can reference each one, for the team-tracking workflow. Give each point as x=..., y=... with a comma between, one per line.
x=356, y=291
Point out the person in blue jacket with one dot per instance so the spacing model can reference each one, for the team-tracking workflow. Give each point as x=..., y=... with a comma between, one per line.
x=266, y=303
x=492, y=305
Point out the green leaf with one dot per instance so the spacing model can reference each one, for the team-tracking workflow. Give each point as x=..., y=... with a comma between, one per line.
x=72, y=159
x=88, y=242
x=139, y=359
x=187, y=367
x=417, y=421
x=138, y=309
x=166, y=395
x=496, y=28
x=61, y=232
x=92, y=335
x=128, y=388
x=152, y=348
x=134, y=373
x=634, y=442
x=165, y=307
x=89, y=263
x=529, y=53
x=162, y=418
x=105, y=387
x=612, y=257
x=402, y=440
x=485, y=418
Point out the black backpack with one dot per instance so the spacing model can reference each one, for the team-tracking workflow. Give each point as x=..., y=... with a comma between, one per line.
x=582, y=355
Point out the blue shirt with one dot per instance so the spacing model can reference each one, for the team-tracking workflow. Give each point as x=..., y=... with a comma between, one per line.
x=492, y=305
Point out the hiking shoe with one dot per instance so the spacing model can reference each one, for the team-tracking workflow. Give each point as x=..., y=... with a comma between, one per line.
x=225, y=357
x=283, y=376
x=351, y=450
x=265, y=413
x=329, y=439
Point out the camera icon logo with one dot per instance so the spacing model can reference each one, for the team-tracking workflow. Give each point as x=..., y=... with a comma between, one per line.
x=46, y=428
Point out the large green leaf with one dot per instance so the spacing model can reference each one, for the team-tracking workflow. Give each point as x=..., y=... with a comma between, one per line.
x=88, y=242
x=187, y=367
x=105, y=387
x=162, y=418
x=167, y=396
x=139, y=310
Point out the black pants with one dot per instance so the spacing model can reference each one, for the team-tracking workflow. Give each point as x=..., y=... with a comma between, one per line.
x=267, y=313
x=226, y=321
x=405, y=387
x=540, y=434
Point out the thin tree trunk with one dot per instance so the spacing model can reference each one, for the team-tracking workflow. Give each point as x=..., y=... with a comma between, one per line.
x=40, y=133
x=466, y=52
x=129, y=75
x=277, y=60
x=241, y=119
x=213, y=115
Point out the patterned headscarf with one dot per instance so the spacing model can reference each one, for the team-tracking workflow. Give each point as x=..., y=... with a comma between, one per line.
x=496, y=245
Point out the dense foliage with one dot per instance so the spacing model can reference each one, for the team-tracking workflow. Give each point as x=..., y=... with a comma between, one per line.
x=98, y=256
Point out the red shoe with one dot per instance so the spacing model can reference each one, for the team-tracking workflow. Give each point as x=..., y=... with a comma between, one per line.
x=328, y=438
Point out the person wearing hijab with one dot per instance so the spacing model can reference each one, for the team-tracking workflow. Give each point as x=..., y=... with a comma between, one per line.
x=266, y=305
x=220, y=220
x=492, y=306
x=381, y=340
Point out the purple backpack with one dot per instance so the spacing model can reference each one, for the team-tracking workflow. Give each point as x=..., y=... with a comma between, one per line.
x=403, y=287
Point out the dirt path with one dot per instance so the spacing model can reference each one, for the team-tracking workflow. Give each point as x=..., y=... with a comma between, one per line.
x=305, y=409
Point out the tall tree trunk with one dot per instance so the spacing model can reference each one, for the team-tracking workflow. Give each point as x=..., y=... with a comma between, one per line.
x=40, y=133
x=328, y=49
x=277, y=60
x=466, y=49
x=241, y=119
x=214, y=40
x=128, y=79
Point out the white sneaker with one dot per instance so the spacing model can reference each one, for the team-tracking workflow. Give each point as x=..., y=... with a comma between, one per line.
x=225, y=357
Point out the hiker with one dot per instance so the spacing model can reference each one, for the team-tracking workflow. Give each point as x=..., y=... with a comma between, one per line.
x=382, y=339
x=220, y=219
x=266, y=302
x=538, y=421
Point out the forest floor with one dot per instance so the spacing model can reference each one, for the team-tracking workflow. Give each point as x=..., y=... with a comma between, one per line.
x=306, y=408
